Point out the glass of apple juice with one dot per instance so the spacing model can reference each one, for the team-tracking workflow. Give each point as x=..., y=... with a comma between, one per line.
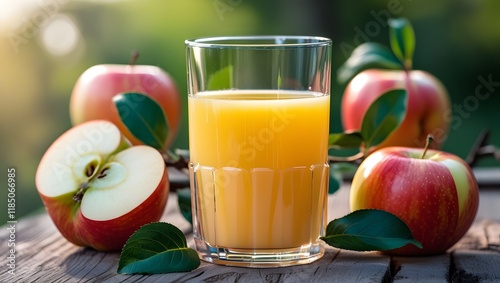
x=259, y=110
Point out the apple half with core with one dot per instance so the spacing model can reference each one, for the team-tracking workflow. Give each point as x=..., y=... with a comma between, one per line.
x=435, y=193
x=92, y=95
x=98, y=189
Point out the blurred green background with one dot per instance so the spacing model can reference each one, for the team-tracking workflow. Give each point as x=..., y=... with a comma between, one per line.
x=46, y=45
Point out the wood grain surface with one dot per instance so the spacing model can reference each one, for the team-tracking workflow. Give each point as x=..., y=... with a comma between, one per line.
x=43, y=255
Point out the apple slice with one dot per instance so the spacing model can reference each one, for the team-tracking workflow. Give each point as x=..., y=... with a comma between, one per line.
x=98, y=189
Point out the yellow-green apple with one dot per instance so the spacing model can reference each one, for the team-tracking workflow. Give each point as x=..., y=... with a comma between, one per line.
x=98, y=189
x=427, y=107
x=434, y=193
x=93, y=92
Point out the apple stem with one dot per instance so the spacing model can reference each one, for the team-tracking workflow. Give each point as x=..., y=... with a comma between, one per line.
x=428, y=143
x=134, y=56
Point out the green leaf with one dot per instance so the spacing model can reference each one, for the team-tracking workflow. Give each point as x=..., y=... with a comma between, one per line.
x=157, y=248
x=369, y=230
x=337, y=172
x=368, y=55
x=345, y=140
x=222, y=79
x=184, y=201
x=383, y=116
x=336, y=180
x=143, y=117
x=402, y=39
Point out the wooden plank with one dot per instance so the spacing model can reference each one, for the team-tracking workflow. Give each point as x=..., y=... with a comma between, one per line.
x=493, y=235
x=338, y=203
x=421, y=269
x=474, y=239
x=476, y=257
x=488, y=177
x=476, y=246
x=336, y=265
x=476, y=266
x=213, y=273
x=342, y=266
x=351, y=266
x=43, y=255
x=489, y=207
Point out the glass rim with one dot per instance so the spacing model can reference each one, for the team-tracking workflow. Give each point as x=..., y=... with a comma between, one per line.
x=259, y=41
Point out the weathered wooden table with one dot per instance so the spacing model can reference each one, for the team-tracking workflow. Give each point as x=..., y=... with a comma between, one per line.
x=43, y=255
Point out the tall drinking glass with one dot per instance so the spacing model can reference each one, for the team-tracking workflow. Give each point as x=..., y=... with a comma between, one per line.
x=258, y=135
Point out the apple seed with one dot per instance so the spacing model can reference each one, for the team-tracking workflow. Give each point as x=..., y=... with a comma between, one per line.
x=81, y=191
x=103, y=173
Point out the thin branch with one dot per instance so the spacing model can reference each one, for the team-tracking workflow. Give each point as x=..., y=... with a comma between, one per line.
x=353, y=158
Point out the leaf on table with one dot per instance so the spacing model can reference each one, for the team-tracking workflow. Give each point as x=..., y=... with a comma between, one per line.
x=369, y=230
x=143, y=117
x=157, y=248
x=184, y=201
x=383, y=116
x=336, y=180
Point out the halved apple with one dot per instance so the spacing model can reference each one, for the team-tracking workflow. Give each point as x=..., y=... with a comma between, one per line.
x=98, y=189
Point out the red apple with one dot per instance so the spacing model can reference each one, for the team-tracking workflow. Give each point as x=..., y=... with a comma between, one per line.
x=92, y=95
x=436, y=196
x=427, y=108
x=375, y=70
x=98, y=189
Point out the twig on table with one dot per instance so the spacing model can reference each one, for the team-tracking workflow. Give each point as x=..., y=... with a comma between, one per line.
x=481, y=149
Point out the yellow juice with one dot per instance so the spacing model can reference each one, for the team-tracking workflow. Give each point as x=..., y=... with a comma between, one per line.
x=259, y=167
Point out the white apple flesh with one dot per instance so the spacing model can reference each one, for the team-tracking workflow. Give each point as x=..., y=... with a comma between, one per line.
x=97, y=189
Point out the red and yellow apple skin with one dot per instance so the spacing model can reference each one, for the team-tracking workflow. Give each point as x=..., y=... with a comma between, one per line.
x=92, y=95
x=97, y=189
x=428, y=105
x=108, y=235
x=437, y=197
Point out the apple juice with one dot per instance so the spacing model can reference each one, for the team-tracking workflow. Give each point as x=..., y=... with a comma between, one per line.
x=259, y=167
